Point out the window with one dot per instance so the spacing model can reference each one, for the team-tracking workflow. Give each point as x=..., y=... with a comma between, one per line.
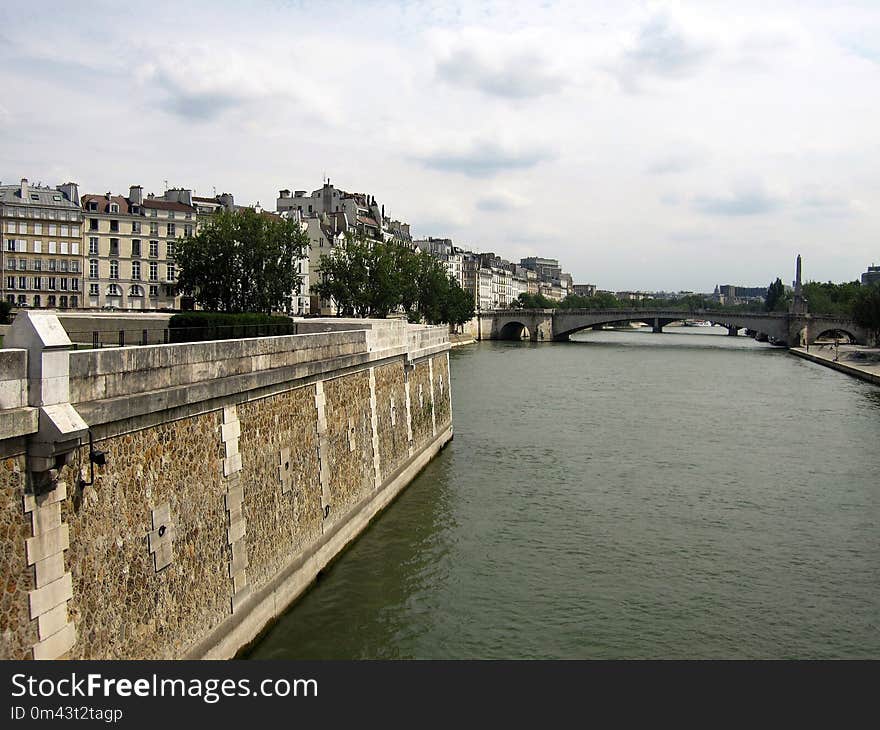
x=114, y=208
x=169, y=249
x=62, y=301
x=74, y=284
x=74, y=301
x=154, y=229
x=36, y=300
x=52, y=247
x=22, y=227
x=53, y=282
x=93, y=290
x=10, y=244
x=38, y=282
x=22, y=282
x=51, y=264
x=136, y=247
x=114, y=269
x=154, y=290
x=50, y=300
x=63, y=264
x=74, y=267
x=38, y=247
x=114, y=226
x=93, y=224
x=152, y=213
x=135, y=226
x=10, y=282
x=154, y=271
x=93, y=269
x=22, y=300
x=65, y=247
x=65, y=231
x=64, y=283
x=92, y=206
x=74, y=231
x=10, y=264
x=188, y=231
x=114, y=247
x=136, y=270
x=170, y=233
x=38, y=229
x=38, y=264
x=93, y=245
x=170, y=272
x=171, y=214
x=135, y=291
x=74, y=248
x=114, y=291
x=10, y=226
x=53, y=229
x=189, y=216
x=154, y=249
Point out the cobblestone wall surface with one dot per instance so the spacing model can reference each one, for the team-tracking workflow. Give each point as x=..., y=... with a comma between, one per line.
x=280, y=522
x=122, y=606
x=18, y=632
x=350, y=440
x=391, y=396
x=420, y=403
x=442, y=411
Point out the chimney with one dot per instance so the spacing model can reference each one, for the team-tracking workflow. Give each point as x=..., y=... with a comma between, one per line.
x=24, y=188
x=226, y=200
x=70, y=191
x=136, y=195
x=283, y=193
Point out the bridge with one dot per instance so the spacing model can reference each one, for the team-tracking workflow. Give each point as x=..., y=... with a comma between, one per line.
x=557, y=325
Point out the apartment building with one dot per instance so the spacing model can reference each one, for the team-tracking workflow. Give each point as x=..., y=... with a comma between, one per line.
x=131, y=245
x=40, y=245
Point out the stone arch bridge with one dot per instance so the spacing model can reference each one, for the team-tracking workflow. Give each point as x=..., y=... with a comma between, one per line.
x=542, y=325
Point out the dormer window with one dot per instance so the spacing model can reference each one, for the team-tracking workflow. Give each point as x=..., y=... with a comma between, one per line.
x=93, y=205
x=114, y=207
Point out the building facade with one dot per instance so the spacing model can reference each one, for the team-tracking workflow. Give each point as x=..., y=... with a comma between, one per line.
x=41, y=248
x=130, y=248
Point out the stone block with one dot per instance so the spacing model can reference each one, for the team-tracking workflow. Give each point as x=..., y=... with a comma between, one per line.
x=239, y=598
x=236, y=530
x=46, y=518
x=231, y=448
x=239, y=581
x=234, y=497
x=46, y=598
x=49, y=569
x=163, y=555
x=231, y=465
x=47, y=544
x=52, y=621
x=230, y=431
x=56, y=495
x=57, y=644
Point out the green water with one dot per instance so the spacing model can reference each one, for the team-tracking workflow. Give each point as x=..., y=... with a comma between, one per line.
x=630, y=495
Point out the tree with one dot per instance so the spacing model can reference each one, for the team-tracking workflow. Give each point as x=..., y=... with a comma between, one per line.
x=866, y=309
x=367, y=278
x=536, y=301
x=242, y=261
x=777, y=299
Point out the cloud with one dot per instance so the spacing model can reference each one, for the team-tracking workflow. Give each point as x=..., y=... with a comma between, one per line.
x=499, y=67
x=673, y=164
x=662, y=50
x=501, y=202
x=742, y=203
x=485, y=158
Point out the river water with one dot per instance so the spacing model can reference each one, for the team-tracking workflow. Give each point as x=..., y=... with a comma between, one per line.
x=628, y=495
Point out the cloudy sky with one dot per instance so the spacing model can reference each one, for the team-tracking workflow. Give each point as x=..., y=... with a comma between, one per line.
x=646, y=145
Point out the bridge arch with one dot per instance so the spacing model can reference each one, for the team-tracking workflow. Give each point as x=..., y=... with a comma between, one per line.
x=514, y=330
x=833, y=332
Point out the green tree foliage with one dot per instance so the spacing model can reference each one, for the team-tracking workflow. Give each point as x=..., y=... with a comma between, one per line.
x=866, y=309
x=5, y=309
x=368, y=278
x=243, y=261
x=776, y=300
x=829, y=298
x=535, y=301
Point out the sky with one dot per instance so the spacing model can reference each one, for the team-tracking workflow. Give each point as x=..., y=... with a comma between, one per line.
x=657, y=146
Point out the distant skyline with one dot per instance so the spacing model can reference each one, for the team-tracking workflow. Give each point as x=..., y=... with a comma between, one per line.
x=660, y=146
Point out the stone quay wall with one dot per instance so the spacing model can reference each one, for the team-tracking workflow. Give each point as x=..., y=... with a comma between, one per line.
x=170, y=501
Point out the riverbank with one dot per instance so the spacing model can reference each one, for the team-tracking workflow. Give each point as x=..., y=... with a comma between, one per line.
x=856, y=360
x=461, y=340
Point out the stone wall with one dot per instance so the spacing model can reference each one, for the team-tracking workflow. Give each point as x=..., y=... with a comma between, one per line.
x=231, y=474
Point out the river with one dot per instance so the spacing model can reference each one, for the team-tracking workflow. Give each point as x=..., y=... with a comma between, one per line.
x=628, y=495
